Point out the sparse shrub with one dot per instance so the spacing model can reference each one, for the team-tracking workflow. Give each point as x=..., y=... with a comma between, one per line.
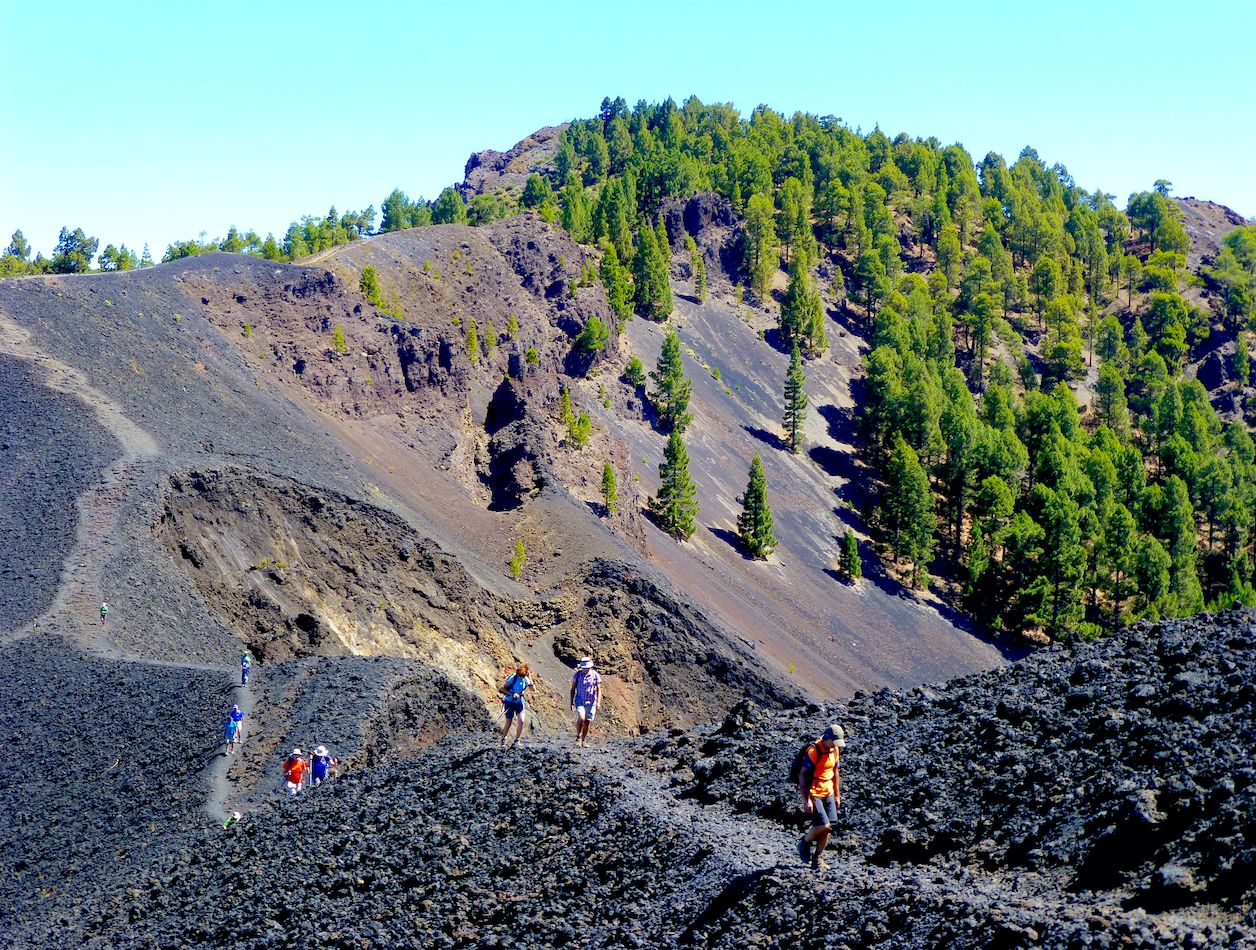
x=427, y=267
x=532, y=357
x=518, y=560
x=338, y=340
x=579, y=431
x=248, y=330
x=512, y=327
x=490, y=340
x=634, y=372
x=473, y=343
x=715, y=372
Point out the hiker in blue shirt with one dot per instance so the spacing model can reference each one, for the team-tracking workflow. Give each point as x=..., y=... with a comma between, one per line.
x=233, y=732
x=320, y=765
x=512, y=704
x=246, y=667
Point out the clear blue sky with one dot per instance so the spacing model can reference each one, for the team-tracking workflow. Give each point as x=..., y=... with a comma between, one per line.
x=151, y=122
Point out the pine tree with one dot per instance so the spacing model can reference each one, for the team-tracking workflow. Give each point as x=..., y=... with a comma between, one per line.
x=762, y=259
x=653, y=292
x=697, y=263
x=795, y=401
x=664, y=243
x=617, y=283
x=907, y=510
x=754, y=524
x=368, y=286
x=671, y=395
x=610, y=496
x=802, y=312
x=564, y=408
x=576, y=217
x=676, y=505
x=851, y=565
x=473, y=343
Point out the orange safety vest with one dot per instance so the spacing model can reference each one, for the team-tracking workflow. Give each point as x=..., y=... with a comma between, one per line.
x=825, y=765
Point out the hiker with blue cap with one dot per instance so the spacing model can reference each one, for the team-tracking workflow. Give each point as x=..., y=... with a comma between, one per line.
x=815, y=770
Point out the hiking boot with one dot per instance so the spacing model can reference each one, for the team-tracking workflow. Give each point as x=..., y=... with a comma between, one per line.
x=804, y=849
x=817, y=863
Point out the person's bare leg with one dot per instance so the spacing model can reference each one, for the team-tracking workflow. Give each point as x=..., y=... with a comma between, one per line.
x=519, y=728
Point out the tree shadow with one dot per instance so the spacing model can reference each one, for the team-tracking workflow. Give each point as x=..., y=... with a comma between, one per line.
x=732, y=539
x=771, y=439
x=847, y=319
x=776, y=339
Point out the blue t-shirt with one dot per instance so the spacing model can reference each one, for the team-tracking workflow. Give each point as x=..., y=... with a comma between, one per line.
x=516, y=685
x=237, y=716
x=321, y=764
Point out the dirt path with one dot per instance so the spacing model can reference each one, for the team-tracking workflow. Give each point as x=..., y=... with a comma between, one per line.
x=221, y=784
x=74, y=608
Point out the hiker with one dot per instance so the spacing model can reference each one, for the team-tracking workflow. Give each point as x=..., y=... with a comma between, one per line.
x=246, y=667
x=586, y=697
x=234, y=730
x=512, y=704
x=320, y=765
x=294, y=768
x=820, y=788
x=104, y=612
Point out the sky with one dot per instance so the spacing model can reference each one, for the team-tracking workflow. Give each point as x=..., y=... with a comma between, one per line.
x=152, y=122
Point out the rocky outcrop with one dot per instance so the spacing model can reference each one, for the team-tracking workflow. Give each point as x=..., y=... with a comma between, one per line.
x=490, y=171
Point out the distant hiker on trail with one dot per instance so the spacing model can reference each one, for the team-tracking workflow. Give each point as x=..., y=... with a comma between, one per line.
x=246, y=667
x=512, y=704
x=586, y=697
x=104, y=612
x=321, y=765
x=294, y=769
x=234, y=729
x=815, y=769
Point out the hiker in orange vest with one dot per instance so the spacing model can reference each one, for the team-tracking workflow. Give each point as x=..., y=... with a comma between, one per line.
x=820, y=788
x=294, y=768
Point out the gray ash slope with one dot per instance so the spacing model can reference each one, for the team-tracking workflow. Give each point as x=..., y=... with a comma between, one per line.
x=1089, y=796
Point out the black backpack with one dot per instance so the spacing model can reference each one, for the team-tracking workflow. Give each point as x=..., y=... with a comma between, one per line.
x=800, y=759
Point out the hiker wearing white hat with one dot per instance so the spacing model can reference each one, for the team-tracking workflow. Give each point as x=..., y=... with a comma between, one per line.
x=320, y=765
x=586, y=697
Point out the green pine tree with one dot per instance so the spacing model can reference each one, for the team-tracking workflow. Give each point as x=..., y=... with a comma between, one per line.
x=653, y=292
x=473, y=343
x=610, y=496
x=618, y=284
x=697, y=264
x=851, y=565
x=802, y=312
x=795, y=401
x=676, y=504
x=754, y=524
x=671, y=395
x=907, y=511
x=369, y=286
